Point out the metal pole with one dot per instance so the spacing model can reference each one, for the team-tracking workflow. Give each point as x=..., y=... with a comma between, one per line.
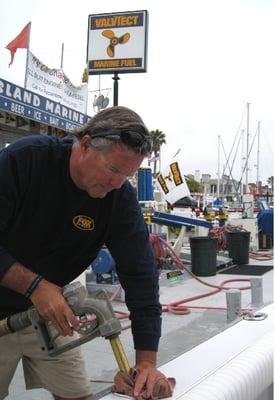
x=219, y=169
x=120, y=354
x=116, y=79
x=258, y=156
x=27, y=59
x=62, y=55
x=242, y=165
x=99, y=84
x=247, y=149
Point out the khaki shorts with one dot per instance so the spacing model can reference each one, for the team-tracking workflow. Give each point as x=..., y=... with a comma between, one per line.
x=63, y=375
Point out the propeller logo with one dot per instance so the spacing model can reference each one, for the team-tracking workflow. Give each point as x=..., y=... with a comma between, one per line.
x=108, y=33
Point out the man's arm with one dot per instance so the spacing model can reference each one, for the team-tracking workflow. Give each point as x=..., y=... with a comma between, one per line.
x=47, y=298
x=143, y=356
x=18, y=278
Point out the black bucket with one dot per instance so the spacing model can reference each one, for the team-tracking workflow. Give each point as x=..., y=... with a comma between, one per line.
x=204, y=255
x=238, y=246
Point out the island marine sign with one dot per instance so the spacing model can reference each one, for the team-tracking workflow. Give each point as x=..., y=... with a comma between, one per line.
x=28, y=104
x=117, y=42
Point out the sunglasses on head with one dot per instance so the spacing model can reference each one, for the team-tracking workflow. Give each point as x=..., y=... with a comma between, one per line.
x=131, y=137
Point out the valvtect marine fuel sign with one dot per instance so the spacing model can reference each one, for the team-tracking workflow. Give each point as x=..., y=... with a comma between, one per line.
x=117, y=42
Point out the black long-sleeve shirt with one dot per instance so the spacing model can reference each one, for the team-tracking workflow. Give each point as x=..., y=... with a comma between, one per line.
x=56, y=230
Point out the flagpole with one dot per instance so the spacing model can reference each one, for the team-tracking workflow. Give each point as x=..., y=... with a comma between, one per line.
x=27, y=58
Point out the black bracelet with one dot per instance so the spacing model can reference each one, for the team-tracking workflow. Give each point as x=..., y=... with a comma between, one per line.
x=33, y=286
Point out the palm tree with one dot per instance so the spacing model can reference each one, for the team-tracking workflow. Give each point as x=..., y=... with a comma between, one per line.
x=158, y=140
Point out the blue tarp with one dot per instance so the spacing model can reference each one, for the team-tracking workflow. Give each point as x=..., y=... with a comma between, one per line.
x=265, y=222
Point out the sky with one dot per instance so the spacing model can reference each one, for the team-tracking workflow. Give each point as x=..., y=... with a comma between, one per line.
x=206, y=61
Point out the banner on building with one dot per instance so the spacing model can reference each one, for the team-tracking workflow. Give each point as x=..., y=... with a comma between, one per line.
x=27, y=104
x=172, y=183
x=55, y=85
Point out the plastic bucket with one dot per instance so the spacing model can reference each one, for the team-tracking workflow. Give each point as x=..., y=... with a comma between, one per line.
x=238, y=246
x=204, y=255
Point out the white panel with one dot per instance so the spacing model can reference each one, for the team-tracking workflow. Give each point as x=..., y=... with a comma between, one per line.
x=243, y=378
x=237, y=349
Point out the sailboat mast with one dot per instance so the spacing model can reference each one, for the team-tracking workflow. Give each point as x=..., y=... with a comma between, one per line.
x=242, y=163
x=247, y=148
x=258, y=157
x=219, y=166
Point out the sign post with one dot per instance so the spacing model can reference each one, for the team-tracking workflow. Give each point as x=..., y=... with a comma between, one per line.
x=116, y=79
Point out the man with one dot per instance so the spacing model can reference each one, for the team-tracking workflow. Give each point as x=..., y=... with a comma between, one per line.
x=48, y=187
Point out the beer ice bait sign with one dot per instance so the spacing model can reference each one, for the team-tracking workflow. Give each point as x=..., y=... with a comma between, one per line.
x=117, y=42
x=28, y=104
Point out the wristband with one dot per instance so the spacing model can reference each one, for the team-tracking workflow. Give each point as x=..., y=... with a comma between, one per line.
x=33, y=286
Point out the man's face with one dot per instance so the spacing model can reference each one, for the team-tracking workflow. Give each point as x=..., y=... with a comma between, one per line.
x=98, y=173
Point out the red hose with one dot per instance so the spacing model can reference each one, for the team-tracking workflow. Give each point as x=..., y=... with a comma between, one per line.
x=177, y=307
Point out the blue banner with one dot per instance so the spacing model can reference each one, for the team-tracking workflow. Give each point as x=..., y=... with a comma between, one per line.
x=27, y=104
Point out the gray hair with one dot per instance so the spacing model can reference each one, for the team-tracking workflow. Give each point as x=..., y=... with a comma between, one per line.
x=104, y=144
x=117, y=117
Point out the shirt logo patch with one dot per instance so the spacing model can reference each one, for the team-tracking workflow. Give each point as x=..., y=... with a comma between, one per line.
x=83, y=222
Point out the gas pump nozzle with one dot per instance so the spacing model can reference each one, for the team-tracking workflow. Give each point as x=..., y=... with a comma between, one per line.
x=105, y=325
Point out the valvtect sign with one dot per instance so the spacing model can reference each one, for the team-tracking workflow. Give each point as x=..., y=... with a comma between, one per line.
x=117, y=42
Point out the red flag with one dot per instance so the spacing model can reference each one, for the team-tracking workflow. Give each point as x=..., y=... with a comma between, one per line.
x=20, y=42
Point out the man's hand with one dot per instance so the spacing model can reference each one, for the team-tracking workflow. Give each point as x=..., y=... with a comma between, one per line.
x=151, y=383
x=154, y=384
x=49, y=301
